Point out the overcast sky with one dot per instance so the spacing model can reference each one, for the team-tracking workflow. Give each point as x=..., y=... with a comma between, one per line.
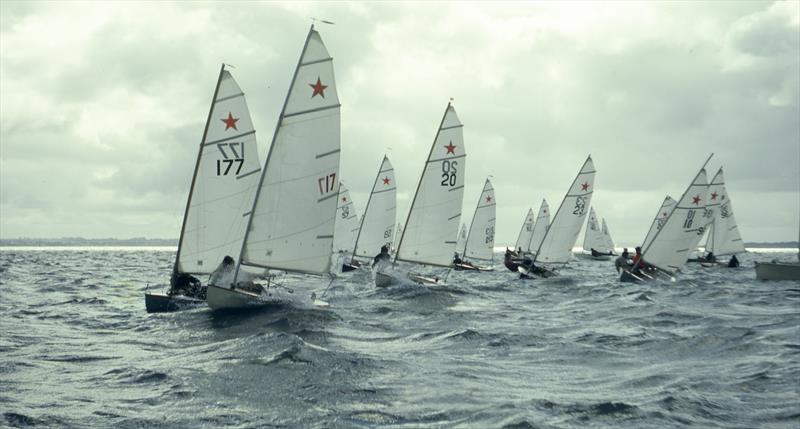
x=102, y=105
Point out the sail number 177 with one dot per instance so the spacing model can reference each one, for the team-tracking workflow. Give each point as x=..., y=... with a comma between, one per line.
x=327, y=183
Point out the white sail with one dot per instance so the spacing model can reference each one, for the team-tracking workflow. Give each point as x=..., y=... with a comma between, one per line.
x=480, y=239
x=397, y=233
x=225, y=179
x=346, y=229
x=461, y=242
x=593, y=236
x=292, y=221
x=609, y=242
x=432, y=224
x=526, y=232
x=540, y=228
x=377, y=224
x=723, y=237
x=682, y=229
x=658, y=221
x=566, y=225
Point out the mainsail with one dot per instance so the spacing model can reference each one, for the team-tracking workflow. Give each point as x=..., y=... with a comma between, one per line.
x=526, y=232
x=593, y=237
x=723, y=237
x=607, y=237
x=563, y=231
x=377, y=223
x=540, y=228
x=461, y=242
x=480, y=239
x=682, y=229
x=432, y=224
x=223, y=184
x=346, y=229
x=658, y=221
x=292, y=221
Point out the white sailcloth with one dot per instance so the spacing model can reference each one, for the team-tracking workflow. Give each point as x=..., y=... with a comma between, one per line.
x=377, y=223
x=658, y=221
x=461, y=242
x=225, y=179
x=682, y=229
x=541, y=226
x=563, y=231
x=593, y=236
x=607, y=237
x=292, y=221
x=346, y=229
x=432, y=224
x=723, y=237
x=526, y=232
x=480, y=239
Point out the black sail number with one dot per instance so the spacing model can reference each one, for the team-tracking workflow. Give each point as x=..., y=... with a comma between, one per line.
x=232, y=154
x=580, y=206
x=449, y=173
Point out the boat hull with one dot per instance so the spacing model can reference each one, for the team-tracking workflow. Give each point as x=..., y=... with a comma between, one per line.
x=158, y=302
x=777, y=271
x=349, y=267
x=384, y=280
x=220, y=298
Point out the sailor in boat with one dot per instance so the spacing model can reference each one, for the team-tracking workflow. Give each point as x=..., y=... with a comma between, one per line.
x=621, y=262
x=710, y=257
x=733, y=262
x=186, y=285
x=381, y=257
x=531, y=268
x=595, y=253
x=508, y=260
x=462, y=264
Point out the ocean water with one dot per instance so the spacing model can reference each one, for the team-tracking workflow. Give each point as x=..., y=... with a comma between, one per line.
x=716, y=348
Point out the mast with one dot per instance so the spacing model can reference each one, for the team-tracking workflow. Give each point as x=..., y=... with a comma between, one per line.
x=421, y=176
x=194, y=178
x=363, y=216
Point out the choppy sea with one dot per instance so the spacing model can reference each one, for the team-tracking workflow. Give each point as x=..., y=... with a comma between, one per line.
x=716, y=348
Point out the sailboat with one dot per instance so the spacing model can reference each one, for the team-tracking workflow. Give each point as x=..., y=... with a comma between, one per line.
x=462, y=237
x=723, y=236
x=347, y=226
x=607, y=237
x=480, y=239
x=513, y=260
x=661, y=217
x=596, y=244
x=429, y=234
x=561, y=235
x=377, y=223
x=525, y=233
x=681, y=230
x=291, y=221
x=778, y=270
x=224, y=180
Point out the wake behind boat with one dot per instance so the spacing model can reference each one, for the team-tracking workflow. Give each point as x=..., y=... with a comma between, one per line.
x=223, y=184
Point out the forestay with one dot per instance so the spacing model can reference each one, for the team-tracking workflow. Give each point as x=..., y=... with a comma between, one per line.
x=526, y=232
x=593, y=237
x=540, y=228
x=226, y=175
x=480, y=239
x=346, y=229
x=432, y=224
x=292, y=224
x=682, y=229
x=563, y=231
x=666, y=208
x=377, y=223
x=724, y=237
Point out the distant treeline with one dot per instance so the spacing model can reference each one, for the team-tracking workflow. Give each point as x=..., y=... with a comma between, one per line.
x=78, y=241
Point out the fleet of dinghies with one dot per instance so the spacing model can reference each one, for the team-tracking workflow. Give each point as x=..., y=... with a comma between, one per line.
x=277, y=228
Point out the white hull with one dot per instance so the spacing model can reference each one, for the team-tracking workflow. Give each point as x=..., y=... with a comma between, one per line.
x=384, y=280
x=595, y=258
x=220, y=298
x=778, y=271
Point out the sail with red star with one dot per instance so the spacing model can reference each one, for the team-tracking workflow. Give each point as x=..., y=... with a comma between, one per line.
x=540, y=228
x=293, y=215
x=560, y=238
x=593, y=237
x=346, y=227
x=429, y=235
x=226, y=176
x=525, y=233
x=723, y=234
x=380, y=215
x=682, y=229
x=480, y=238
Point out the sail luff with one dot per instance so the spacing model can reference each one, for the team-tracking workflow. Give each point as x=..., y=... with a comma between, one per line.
x=175, y=269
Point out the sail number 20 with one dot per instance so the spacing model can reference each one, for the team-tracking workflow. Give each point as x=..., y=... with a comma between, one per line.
x=327, y=183
x=449, y=171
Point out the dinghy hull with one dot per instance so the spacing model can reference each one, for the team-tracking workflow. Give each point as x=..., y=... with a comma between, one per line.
x=384, y=280
x=220, y=298
x=158, y=302
x=777, y=271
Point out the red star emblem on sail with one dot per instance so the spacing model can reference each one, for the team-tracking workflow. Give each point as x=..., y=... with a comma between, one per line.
x=696, y=200
x=230, y=122
x=714, y=195
x=585, y=186
x=318, y=88
x=450, y=148
x=344, y=199
x=386, y=180
x=489, y=199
